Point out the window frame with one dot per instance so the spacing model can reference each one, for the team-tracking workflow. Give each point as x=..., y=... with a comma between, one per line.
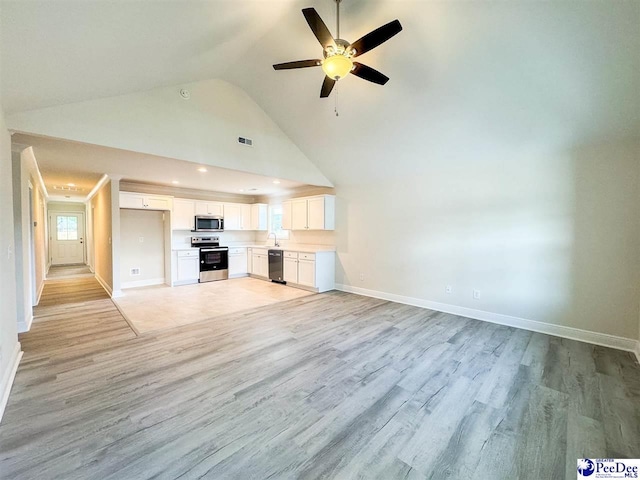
x=281, y=234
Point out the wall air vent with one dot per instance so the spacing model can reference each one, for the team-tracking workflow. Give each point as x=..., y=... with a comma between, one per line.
x=135, y=271
x=245, y=141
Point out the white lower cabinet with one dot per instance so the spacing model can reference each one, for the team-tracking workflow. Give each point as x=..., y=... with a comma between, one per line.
x=315, y=271
x=187, y=267
x=290, y=267
x=307, y=272
x=238, y=262
x=260, y=262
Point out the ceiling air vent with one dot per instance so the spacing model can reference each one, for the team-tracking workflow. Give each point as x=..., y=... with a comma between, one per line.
x=245, y=141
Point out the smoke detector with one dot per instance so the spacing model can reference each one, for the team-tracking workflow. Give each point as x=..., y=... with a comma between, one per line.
x=184, y=93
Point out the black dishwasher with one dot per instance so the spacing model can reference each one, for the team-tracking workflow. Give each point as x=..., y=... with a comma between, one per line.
x=276, y=273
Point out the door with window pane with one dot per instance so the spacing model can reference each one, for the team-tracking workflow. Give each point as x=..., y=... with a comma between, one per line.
x=66, y=234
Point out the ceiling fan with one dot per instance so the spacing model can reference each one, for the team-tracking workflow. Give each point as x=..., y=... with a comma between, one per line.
x=338, y=53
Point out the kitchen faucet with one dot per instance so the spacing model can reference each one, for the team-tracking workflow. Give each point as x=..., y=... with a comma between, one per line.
x=275, y=239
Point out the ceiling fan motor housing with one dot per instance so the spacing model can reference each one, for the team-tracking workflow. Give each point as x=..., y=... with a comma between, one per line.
x=342, y=49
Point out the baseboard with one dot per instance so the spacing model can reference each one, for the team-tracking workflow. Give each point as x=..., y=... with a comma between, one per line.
x=603, y=339
x=10, y=374
x=239, y=275
x=185, y=282
x=143, y=283
x=25, y=326
x=104, y=284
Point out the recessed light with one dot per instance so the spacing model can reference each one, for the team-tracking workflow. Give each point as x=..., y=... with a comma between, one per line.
x=241, y=190
x=276, y=182
x=202, y=169
x=175, y=182
x=71, y=184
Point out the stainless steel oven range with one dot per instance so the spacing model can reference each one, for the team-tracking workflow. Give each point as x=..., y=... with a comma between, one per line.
x=214, y=259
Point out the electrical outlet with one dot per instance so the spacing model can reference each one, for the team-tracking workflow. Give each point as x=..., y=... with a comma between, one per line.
x=362, y=277
x=476, y=294
x=448, y=289
x=134, y=271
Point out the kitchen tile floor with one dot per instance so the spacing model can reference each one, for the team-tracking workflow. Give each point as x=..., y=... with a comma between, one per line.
x=160, y=307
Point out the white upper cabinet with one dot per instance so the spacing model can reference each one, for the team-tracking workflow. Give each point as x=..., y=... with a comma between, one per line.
x=245, y=216
x=232, y=214
x=183, y=214
x=237, y=216
x=145, y=201
x=259, y=216
x=209, y=208
x=309, y=213
x=286, y=215
x=299, y=214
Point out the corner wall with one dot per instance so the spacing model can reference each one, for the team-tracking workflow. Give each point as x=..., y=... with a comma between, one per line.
x=102, y=236
x=10, y=352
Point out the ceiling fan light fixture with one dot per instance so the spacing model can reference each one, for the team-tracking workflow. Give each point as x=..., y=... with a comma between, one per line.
x=337, y=66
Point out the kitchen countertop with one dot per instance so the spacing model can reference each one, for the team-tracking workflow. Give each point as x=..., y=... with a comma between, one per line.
x=290, y=248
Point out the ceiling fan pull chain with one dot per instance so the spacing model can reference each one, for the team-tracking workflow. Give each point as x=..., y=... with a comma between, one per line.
x=336, y=107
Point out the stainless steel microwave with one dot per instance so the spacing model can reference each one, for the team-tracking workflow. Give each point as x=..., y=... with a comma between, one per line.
x=209, y=223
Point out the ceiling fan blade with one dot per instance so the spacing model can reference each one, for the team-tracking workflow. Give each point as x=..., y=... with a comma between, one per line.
x=318, y=27
x=368, y=73
x=327, y=86
x=372, y=39
x=297, y=64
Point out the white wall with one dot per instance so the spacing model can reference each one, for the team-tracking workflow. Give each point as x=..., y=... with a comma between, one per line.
x=553, y=238
x=30, y=228
x=203, y=129
x=9, y=345
x=142, y=247
x=102, y=236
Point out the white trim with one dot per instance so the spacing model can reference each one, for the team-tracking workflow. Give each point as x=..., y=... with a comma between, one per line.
x=104, y=284
x=189, y=282
x=596, y=338
x=637, y=351
x=25, y=326
x=97, y=187
x=142, y=283
x=10, y=374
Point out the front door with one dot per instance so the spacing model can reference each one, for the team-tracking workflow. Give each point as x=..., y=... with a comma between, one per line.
x=67, y=238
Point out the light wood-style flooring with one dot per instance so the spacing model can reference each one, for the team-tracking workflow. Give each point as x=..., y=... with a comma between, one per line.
x=160, y=307
x=66, y=271
x=325, y=386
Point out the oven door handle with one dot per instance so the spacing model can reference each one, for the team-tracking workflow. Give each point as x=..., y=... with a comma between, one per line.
x=205, y=250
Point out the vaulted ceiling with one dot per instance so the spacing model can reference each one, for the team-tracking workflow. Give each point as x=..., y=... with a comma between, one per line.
x=468, y=79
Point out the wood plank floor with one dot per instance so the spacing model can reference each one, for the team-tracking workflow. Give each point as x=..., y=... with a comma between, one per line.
x=326, y=386
x=62, y=271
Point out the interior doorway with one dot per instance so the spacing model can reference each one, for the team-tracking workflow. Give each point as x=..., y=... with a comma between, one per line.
x=66, y=245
